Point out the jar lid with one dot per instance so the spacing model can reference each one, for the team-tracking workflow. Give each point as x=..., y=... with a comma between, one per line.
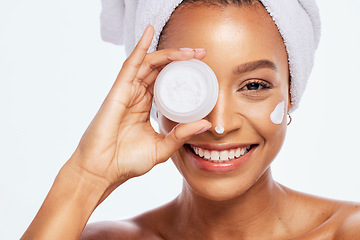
x=186, y=91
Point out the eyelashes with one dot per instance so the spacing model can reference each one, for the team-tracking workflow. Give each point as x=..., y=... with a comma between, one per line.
x=255, y=89
x=254, y=85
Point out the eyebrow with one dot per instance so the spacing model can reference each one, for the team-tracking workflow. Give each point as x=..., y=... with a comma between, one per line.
x=252, y=66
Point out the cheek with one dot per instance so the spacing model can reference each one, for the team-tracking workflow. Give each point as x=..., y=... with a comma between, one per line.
x=268, y=118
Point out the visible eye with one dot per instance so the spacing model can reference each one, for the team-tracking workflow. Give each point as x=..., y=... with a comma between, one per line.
x=255, y=85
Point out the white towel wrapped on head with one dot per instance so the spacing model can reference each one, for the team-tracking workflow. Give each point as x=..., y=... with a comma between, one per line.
x=298, y=21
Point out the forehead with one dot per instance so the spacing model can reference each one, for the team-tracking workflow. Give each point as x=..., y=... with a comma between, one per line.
x=245, y=33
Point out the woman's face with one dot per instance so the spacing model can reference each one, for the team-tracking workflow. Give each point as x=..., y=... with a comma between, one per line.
x=248, y=56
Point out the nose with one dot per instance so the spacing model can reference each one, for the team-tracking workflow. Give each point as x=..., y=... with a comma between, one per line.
x=223, y=117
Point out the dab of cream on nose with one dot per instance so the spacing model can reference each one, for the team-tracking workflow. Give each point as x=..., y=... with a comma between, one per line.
x=219, y=129
x=277, y=116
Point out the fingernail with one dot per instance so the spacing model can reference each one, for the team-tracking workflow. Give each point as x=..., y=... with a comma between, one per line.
x=186, y=49
x=202, y=130
x=147, y=27
x=200, y=50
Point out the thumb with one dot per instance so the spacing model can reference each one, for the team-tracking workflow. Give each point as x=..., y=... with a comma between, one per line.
x=178, y=136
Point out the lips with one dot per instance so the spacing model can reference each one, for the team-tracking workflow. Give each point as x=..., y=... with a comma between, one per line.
x=216, y=159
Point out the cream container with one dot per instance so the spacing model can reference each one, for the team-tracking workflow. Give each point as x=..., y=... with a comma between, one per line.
x=186, y=91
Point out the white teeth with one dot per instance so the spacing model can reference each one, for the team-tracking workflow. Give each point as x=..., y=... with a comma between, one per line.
x=207, y=154
x=242, y=151
x=200, y=152
x=232, y=154
x=224, y=155
x=215, y=155
x=220, y=156
x=237, y=152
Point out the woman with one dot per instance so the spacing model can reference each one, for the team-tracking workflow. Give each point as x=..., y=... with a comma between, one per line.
x=234, y=199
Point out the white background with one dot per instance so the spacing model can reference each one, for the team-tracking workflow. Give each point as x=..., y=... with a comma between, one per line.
x=55, y=71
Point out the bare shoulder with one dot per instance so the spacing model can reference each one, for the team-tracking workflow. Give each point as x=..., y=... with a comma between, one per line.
x=109, y=230
x=148, y=225
x=342, y=224
x=323, y=218
x=347, y=219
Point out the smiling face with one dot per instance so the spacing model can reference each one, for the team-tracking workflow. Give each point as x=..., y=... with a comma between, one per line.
x=248, y=56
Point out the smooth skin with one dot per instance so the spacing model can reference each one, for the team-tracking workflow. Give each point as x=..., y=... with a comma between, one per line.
x=119, y=144
x=245, y=203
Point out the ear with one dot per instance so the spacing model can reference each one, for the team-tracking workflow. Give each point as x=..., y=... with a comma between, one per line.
x=290, y=105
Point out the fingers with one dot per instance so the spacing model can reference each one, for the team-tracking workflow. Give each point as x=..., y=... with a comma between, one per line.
x=154, y=62
x=131, y=66
x=178, y=136
x=200, y=53
x=136, y=58
x=140, y=68
x=119, y=96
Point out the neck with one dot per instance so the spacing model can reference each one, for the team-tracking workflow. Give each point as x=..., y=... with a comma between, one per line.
x=238, y=217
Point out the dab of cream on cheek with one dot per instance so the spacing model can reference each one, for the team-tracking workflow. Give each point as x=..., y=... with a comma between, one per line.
x=277, y=116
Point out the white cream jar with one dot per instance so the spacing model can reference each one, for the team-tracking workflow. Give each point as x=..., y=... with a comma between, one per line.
x=186, y=91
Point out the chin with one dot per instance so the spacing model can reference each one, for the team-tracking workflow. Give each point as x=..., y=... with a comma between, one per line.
x=219, y=192
x=218, y=188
